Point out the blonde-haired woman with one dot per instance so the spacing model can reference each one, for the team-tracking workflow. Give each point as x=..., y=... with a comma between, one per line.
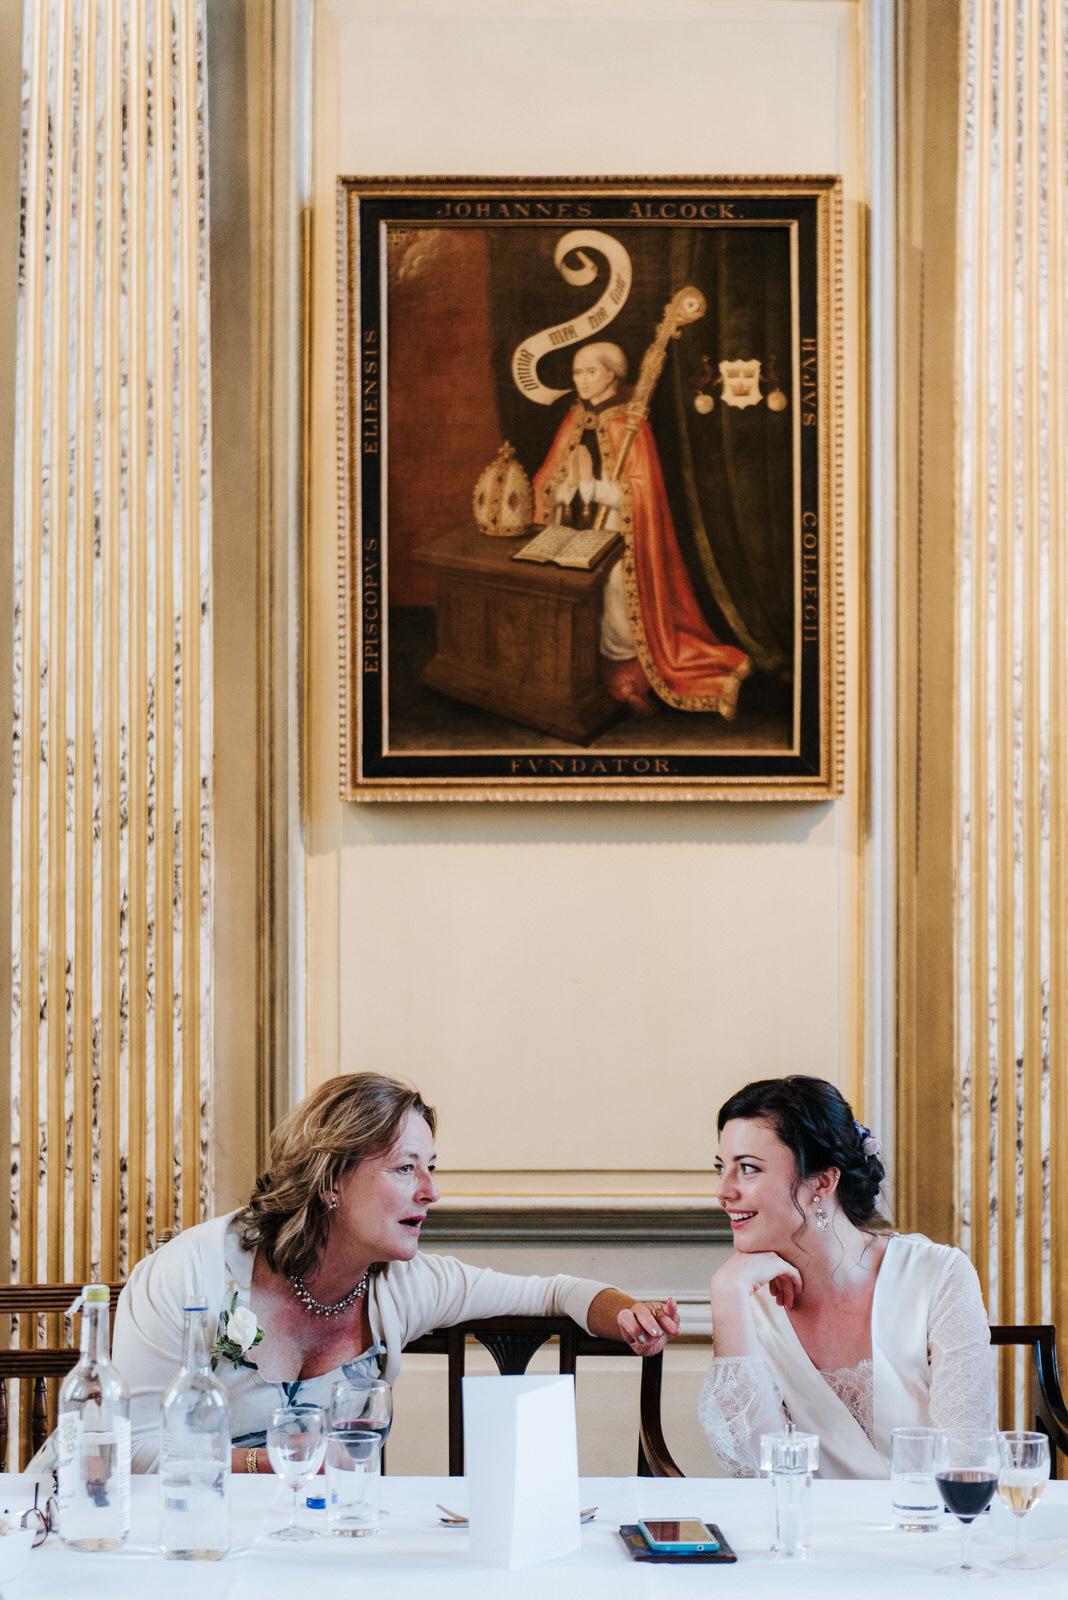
x=322, y=1270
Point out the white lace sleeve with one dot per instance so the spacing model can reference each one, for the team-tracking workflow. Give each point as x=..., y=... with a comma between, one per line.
x=958, y=1349
x=740, y=1401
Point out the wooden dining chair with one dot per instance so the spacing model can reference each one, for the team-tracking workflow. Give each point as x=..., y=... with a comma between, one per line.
x=41, y=1365
x=1051, y=1415
x=512, y=1341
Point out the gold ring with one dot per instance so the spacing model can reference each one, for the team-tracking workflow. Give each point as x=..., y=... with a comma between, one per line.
x=657, y=1307
x=252, y=1463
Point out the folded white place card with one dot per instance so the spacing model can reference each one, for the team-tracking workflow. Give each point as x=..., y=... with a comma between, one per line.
x=521, y=1456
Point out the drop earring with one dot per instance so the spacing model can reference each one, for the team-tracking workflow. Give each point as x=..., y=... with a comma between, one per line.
x=823, y=1221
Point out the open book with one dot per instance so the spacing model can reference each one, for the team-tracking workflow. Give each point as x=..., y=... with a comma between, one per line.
x=568, y=547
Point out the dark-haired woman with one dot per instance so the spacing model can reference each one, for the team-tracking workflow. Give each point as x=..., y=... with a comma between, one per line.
x=823, y=1316
x=320, y=1275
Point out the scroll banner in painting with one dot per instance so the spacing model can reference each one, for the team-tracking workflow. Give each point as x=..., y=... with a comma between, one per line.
x=590, y=323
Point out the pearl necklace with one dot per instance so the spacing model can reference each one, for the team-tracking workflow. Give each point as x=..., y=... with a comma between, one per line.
x=316, y=1307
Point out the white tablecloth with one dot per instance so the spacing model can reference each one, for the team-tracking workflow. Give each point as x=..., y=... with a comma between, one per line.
x=855, y=1552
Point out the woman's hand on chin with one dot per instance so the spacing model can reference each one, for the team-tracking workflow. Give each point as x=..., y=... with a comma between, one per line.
x=744, y=1273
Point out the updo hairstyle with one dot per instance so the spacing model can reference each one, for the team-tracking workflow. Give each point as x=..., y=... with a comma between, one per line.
x=814, y=1121
x=340, y=1124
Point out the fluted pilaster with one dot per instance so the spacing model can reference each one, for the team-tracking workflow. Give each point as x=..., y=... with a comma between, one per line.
x=1012, y=682
x=112, y=797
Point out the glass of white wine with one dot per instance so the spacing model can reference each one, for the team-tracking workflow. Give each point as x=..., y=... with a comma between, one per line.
x=296, y=1445
x=1023, y=1475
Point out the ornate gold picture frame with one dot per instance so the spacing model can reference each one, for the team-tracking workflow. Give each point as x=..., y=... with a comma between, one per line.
x=590, y=488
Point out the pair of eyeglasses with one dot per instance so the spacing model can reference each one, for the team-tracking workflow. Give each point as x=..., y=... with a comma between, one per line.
x=43, y=1520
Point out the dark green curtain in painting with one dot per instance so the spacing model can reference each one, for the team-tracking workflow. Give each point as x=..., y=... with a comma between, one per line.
x=729, y=472
x=733, y=490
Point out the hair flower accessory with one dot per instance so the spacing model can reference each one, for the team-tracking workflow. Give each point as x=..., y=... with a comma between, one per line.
x=870, y=1145
x=239, y=1332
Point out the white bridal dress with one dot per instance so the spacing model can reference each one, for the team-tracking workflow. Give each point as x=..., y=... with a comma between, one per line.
x=931, y=1363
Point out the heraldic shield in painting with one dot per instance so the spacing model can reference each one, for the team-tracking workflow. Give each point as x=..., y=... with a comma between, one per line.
x=590, y=503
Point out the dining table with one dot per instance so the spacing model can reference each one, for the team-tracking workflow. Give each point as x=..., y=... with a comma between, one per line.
x=855, y=1549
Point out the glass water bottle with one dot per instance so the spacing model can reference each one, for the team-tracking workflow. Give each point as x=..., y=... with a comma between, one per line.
x=194, y=1461
x=93, y=1437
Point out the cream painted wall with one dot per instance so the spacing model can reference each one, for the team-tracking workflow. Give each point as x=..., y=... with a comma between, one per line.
x=577, y=987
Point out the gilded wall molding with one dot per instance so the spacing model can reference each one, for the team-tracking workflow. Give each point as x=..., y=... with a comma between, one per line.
x=983, y=842
x=111, y=827
x=575, y=1220
x=1011, y=947
x=925, y=1195
x=257, y=154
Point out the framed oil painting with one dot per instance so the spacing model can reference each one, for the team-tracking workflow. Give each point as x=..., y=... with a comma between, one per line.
x=590, y=488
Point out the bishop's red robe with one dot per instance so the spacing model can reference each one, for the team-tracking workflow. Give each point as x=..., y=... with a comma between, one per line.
x=683, y=661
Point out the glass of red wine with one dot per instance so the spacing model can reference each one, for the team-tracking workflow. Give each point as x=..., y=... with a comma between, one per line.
x=966, y=1471
x=361, y=1408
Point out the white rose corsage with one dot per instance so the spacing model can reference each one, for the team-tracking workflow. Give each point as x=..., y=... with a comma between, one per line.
x=239, y=1332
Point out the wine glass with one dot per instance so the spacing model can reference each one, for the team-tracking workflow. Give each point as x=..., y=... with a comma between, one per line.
x=966, y=1471
x=296, y=1445
x=1023, y=1476
x=362, y=1408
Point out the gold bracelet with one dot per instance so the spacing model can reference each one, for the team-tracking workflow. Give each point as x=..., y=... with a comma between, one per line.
x=252, y=1461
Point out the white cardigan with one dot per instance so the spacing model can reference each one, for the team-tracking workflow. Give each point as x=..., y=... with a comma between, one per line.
x=406, y=1300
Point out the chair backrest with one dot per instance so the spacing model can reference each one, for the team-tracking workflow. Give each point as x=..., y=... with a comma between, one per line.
x=41, y=1366
x=1051, y=1416
x=512, y=1341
